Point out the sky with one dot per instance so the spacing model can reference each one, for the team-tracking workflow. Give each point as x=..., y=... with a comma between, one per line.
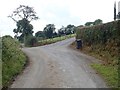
x=57, y=12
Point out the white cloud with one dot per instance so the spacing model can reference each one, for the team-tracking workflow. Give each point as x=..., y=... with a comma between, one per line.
x=58, y=12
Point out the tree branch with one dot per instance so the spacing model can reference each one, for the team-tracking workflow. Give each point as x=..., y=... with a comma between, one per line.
x=20, y=16
x=13, y=18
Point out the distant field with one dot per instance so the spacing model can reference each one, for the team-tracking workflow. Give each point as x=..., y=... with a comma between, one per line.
x=53, y=40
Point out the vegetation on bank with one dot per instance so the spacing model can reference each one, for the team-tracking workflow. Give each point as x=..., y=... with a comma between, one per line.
x=108, y=69
x=53, y=40
x=13, y=60
x=103, y=42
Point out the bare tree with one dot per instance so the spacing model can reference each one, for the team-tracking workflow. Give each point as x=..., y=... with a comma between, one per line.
x=23, y=12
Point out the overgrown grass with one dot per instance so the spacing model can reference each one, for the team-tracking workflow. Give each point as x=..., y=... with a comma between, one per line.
x=13, y=60
x=53, y=40
x=109, y=73
x=103, y=42
x=102, y=54
x=108, y=69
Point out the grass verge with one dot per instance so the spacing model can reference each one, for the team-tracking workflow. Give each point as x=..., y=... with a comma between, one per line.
x=109, y=73
x=13, y=60
x=109, y=67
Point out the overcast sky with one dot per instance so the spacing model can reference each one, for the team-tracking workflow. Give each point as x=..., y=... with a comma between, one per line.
x=58, y=12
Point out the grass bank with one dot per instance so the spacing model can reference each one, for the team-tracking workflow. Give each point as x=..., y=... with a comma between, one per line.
x=13, y=60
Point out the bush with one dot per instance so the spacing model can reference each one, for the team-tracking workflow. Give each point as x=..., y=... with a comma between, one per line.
x=31, y=41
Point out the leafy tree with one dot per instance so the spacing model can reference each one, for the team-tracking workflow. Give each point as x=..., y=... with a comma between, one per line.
x=49, y=30
x=98, y=21
x=15, y=32
x=21, y=38
x=118, y=16
x=31, y=41
x=23, y=27
x=40, y=34
x=61, y=31
x=69, y=29
x=23, y=15
x=88, y=23
x=55, y=34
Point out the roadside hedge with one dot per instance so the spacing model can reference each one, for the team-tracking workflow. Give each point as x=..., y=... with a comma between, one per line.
x=13, y=59
x=105, y=36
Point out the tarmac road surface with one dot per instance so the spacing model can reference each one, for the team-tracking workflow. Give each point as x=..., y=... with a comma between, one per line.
x=58, y=66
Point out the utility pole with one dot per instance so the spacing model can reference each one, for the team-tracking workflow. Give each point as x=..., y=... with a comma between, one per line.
x=115, y=10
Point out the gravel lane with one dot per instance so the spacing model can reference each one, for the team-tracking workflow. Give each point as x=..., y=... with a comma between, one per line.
x=58, y=66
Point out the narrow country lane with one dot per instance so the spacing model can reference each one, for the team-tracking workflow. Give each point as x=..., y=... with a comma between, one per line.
x=58, y=66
